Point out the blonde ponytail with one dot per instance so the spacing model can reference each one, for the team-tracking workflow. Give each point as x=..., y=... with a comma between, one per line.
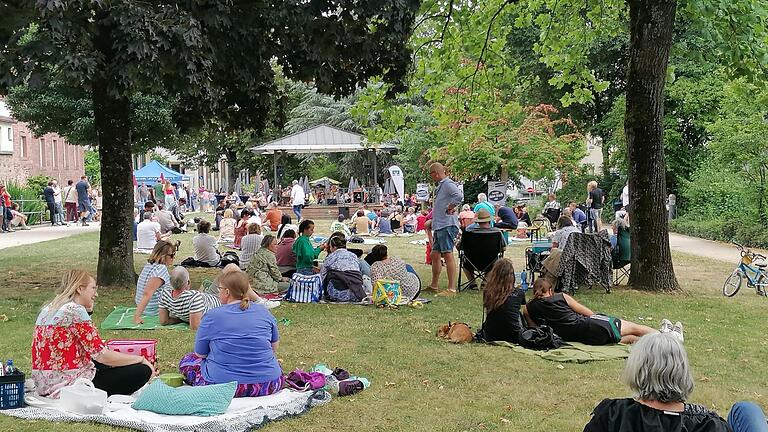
x=245, y=303
x=238, y=286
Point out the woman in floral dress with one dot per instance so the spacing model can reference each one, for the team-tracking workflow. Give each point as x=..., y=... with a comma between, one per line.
x=66, y=345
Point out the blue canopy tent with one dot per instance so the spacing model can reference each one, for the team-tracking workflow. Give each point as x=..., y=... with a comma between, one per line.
x=150, y=174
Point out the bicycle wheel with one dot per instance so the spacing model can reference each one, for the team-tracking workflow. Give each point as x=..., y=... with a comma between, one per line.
x=732, y=284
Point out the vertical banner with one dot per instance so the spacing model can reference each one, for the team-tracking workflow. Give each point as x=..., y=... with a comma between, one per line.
x=497, y=192
x=422, y=192
x=397, y=180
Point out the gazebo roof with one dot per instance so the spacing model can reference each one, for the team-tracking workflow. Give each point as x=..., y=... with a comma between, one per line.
x=319, y=139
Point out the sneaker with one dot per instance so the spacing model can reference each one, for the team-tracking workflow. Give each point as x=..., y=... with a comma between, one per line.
x=26, y=228
x=677, y=330
x=666, y=326
x=340, y=374
x=85, y=224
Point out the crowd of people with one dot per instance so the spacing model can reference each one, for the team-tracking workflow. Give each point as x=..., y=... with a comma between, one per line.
x=236, y=337
x=75, y=203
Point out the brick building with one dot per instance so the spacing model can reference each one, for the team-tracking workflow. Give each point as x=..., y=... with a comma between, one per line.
x=23, y=155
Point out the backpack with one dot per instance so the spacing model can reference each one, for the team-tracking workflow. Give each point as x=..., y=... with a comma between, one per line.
x=305, y=288
x=541, y=338
x=387, y=292
x=229, y=257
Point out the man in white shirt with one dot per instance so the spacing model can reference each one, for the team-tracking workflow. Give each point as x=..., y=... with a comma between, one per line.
x=625, y=196
x=297, y=199
x=183, y=195
x=147, y=233
x=58, y=202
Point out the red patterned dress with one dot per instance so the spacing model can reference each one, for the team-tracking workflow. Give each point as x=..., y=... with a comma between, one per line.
x=62, y=347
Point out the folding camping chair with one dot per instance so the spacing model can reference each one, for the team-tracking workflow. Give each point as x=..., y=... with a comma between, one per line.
x=621, y=256
x=478, y=251
x=585, y=260
x=552, y=214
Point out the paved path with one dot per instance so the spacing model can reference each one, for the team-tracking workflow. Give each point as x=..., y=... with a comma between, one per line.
x=706, y=248
x=44, y=233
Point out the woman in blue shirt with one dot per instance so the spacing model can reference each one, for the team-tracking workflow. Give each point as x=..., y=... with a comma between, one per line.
x=235, y=342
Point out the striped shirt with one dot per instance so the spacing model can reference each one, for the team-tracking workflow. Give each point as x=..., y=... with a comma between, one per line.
x=150, y=271
x=188, y=302
x=248, y=246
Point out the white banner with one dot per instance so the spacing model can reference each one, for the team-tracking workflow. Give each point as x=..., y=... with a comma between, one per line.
x=397, y=179
x=422, y=192
x=497, y=192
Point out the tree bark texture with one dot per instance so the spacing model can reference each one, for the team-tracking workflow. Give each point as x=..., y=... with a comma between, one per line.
x=651, y=25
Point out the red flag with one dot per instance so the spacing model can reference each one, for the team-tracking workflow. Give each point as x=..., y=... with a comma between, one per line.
x=162, y=178
x=135, y=183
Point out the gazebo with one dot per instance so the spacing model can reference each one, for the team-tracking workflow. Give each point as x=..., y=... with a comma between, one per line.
x=322, y=139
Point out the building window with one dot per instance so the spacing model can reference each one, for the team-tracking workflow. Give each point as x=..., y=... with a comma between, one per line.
x=54, y=144
x=10, y=134
x=23, y=146
x=42, y=152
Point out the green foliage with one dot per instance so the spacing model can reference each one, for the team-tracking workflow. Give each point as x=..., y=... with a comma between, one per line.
x=92, y=166
x=38, y=183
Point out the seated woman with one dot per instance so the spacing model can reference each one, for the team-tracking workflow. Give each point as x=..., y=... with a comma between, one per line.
x=153, y=277
x=285, y=224
x=235, y=342
x=564, y=229
x=576, y=323
x=659, y=376
x=241, y=228
x=180, y=304
x=409, y=223
x=18, y=219
x=502, y=302
x=227, y=227
x=67, y=346
x=206, y=247
x=302, y=248
x=386, y=267
x=340, y=225
x=385, y=225
x=263, y=271
x=250, y=244
x=286, y=259
x=342, y=279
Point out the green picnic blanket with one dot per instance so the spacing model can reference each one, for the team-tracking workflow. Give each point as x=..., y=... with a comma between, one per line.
x=122, y=319
x=574, y=352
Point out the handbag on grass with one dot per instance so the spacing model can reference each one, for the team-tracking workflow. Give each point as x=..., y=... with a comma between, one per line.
x=387, y=292
x=305, y=288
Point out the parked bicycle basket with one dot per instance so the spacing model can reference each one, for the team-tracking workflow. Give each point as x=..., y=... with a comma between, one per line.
x=746, y=259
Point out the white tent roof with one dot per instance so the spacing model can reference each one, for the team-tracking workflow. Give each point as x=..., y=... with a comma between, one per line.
x=319, y=139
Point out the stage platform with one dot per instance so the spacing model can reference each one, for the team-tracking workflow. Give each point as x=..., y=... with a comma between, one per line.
x=328, y=211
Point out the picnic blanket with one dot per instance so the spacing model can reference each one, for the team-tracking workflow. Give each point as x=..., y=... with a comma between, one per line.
x=574, y=352
x=242, y=415
x=122, y=319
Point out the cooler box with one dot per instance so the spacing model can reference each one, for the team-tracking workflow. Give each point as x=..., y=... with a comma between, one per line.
x=146, y=348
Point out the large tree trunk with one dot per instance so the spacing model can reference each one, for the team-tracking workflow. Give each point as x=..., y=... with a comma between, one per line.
x=651, y=24
x=232, y=174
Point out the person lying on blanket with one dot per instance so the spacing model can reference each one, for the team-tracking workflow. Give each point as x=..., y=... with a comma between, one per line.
x=574, y=322
x=235, y=342
x=180, y=304
x=66, y=345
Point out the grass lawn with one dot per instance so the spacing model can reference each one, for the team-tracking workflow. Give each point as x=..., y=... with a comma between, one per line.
x=418, y=382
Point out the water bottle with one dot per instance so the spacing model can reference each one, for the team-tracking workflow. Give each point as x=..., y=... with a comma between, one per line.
x=9, y=369
x=523, y=281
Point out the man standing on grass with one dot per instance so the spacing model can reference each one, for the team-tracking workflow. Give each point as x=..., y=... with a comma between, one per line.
x=297, y=199
x=445, y=226
x=83, y=200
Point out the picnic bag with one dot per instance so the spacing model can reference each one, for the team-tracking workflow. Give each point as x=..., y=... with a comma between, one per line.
x=146, y=348
x=305, y=288
x=386, y=292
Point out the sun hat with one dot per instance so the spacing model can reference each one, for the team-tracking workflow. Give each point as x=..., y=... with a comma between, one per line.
x=482, y=215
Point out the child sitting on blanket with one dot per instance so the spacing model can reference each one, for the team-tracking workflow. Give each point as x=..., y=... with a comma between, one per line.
x=179, y=303
x=235, y=342
x=574, y=322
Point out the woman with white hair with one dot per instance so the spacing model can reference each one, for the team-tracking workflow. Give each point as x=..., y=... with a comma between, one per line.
x=659, y=376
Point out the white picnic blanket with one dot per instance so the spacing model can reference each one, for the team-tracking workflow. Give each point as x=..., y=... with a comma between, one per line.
x=243, y=414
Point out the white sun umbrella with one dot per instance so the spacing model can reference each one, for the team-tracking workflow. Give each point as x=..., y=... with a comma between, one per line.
x=238, y=187
x=305, y=184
